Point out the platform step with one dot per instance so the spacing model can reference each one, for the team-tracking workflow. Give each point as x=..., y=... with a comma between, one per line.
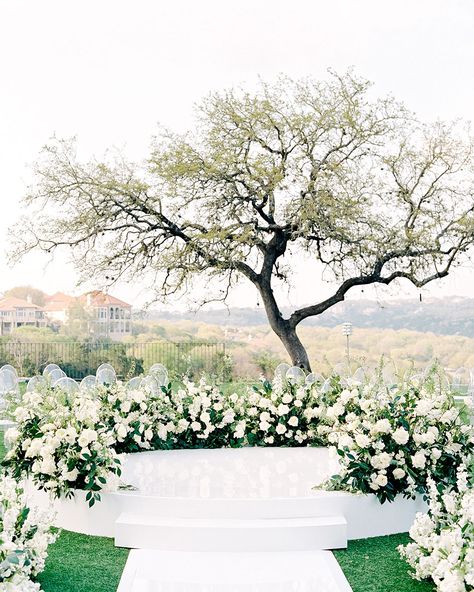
x=141, y=531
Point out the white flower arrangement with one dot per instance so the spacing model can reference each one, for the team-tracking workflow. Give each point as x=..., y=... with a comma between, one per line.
x=443, y=539
x=24, y=538
x=62, y=444
x=391, y=440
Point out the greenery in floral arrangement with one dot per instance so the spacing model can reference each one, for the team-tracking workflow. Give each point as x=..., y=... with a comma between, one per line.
x=62, y=443
x=24, y=538
x=391, y=439
x=442, y=547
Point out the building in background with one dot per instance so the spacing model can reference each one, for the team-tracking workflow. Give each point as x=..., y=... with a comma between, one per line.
x=57, y=307
x=15, y=312
x=108, y=316
x=96, y=314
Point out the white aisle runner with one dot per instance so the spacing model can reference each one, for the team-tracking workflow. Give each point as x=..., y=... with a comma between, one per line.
x=297, y=571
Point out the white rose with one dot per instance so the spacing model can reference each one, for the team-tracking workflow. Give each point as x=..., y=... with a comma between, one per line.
x=362, y=441
x=287, y=398
x=345, y=441
x=293, y=421
x=419, y=460
x=11, y=436
x=298, y=403
x=138, y=396
x=86, y=437
x=229, y=417
x=195, y=426
x=280, y=429
x=47, y=466
x=423, y=407
x=382, y=426
x=435, y=453
x=125, y=406
x=71, y=475
x=398, y=473
x=381, y=461
x=205, y=417
x=121, y=430
x=71, y=435
x=162, y=432
x=345, y=396
x=283, y=409
x=400, y=436
x=381, y=480
x=264, y=426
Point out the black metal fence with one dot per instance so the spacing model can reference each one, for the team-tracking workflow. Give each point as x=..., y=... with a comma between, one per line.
x=129, y=359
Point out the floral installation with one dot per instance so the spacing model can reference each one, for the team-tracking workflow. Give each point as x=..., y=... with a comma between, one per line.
x=24, y=538
x=391, y=439
x=63, y=443
x=443, y=538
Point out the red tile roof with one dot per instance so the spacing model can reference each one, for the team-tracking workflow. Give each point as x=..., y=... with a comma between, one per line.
x=11, y=303
x=58, y=297
x=59, y=301
x=98, y=298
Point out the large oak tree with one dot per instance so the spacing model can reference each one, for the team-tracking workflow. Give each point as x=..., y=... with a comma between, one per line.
x=359, y=184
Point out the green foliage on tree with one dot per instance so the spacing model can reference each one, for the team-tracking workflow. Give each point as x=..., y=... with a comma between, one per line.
x=25, y=292
x=359, y=184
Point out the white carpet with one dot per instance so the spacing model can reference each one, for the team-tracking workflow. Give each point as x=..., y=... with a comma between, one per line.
x=165, y=571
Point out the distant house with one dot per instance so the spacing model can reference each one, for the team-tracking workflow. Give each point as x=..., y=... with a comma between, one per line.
x=109, y=316
x=57, y=306
x=15, y=312
x=103, y=314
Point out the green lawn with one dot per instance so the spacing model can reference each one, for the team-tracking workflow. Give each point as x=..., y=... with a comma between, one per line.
x=374, y=565
x=81, y=563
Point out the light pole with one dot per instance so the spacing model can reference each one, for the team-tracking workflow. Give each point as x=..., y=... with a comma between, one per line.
x=347, y=331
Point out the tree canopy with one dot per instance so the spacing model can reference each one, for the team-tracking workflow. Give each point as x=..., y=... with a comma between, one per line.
x=23, y=292
x=358, y=183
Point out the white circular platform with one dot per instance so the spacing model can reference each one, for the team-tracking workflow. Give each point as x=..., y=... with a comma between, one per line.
x=233, y=499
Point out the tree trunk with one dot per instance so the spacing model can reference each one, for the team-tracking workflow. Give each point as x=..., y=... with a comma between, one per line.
x=284, y=329
x=294, y=347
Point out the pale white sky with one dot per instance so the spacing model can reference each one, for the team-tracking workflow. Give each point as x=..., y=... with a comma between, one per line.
x=109, y=70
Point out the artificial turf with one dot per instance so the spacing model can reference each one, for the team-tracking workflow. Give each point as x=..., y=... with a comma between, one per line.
x=374, y=565
x=81, y=563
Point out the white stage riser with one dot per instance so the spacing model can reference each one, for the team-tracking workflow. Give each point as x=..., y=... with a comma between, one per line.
x=297, y=534
x=365, y=516
x=249, y=484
